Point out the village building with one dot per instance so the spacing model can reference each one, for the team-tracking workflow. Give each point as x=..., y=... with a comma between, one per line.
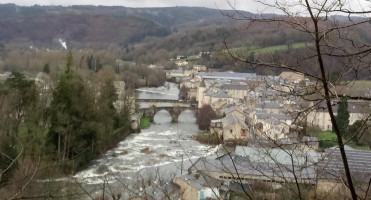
x=200, y=68
x=321, y=118
x=211, y=95
x=292, y=76
x=162, y=191
x=256, y=164
x=227, y=76
x=273, y=126
x=331, y=171
x=269, y=107
x=236, y=91
x=196, y=186
x=234, y=129
x=235, y=110
x=275, y=167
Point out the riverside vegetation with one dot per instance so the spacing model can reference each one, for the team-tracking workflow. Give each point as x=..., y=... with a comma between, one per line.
x=56, y=130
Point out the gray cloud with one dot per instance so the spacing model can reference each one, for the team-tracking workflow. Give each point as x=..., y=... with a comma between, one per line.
x=247, y=5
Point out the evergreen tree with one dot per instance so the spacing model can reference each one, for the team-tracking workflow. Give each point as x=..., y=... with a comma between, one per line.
x=89, y=62
x=18, y=98
x=22, y=96
x=73, y=131
x=183, y=93
x=106, y=111
x=342, y=117
x=7, y=156
x=251, y=58
x=46, y=69
x=69, y=62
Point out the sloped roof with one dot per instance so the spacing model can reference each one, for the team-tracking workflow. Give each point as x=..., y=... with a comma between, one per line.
x=221, y=94
x=200, y=181
x=232, y=119
x=209, y=92
x=277, y=155
x=231, y=109
x=292, y=76
x=265, y=115
x=160, y=191
x=264, y=170
x=235, y=87
x=268, y=105
x=353, y=107
x=227, y=75
x=359, y=162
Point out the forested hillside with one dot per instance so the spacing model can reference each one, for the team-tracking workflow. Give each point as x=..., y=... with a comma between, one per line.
x=84, y=24
x=141, y=36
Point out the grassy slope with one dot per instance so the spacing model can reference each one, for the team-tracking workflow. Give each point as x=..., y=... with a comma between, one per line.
x=266, y=49
x=328, y=139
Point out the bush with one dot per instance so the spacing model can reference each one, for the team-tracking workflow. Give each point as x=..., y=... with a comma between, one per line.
x=327, y=139
x=144, y=123
x=204, y=116
x=9, y=152
x=208, y=138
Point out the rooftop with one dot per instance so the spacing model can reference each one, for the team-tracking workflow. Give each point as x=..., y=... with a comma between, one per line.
x=227, y=75
x=232, y=119
x=199, y=181
x=278, y=116
x=235, y=87
x=221, y=94
x=359, y=163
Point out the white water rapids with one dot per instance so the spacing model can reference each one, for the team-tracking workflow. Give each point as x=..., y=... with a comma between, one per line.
x=162, y=151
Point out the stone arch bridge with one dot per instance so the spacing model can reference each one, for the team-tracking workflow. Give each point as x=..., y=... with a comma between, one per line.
x=149, y=107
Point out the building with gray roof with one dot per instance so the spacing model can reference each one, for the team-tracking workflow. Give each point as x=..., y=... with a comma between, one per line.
x=332, y=166
x=221, y=94
x=235, y=87
x=159, y=192
x=245, y=170
x=233, y=119
x=227, y=75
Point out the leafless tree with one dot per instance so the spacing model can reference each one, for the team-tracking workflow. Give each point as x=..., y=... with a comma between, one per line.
x=332, y=39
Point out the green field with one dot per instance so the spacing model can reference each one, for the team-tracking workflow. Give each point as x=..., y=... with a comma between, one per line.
x=144, y=123
x=361, y=84
x=270, y=49
x=328, y=139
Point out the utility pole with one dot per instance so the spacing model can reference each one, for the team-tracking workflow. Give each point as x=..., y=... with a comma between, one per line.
x=181, y=166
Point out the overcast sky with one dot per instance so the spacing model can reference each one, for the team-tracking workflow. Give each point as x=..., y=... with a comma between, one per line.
x=246, y=5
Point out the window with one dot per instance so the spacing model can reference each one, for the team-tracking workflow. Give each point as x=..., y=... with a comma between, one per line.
x=243, y=132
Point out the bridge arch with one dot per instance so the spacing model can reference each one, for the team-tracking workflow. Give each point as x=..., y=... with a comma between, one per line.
x=150, y=108
x=187, y=116
x=164, y=115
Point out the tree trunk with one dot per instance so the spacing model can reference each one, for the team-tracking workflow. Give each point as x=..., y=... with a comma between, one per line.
x=329, y=106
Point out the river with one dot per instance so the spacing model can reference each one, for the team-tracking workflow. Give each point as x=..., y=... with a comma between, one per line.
x=159, y=152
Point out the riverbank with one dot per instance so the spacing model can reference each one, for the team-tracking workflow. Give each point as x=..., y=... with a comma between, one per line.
x=144, y=123
x=161, y=151
x=208, y=138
